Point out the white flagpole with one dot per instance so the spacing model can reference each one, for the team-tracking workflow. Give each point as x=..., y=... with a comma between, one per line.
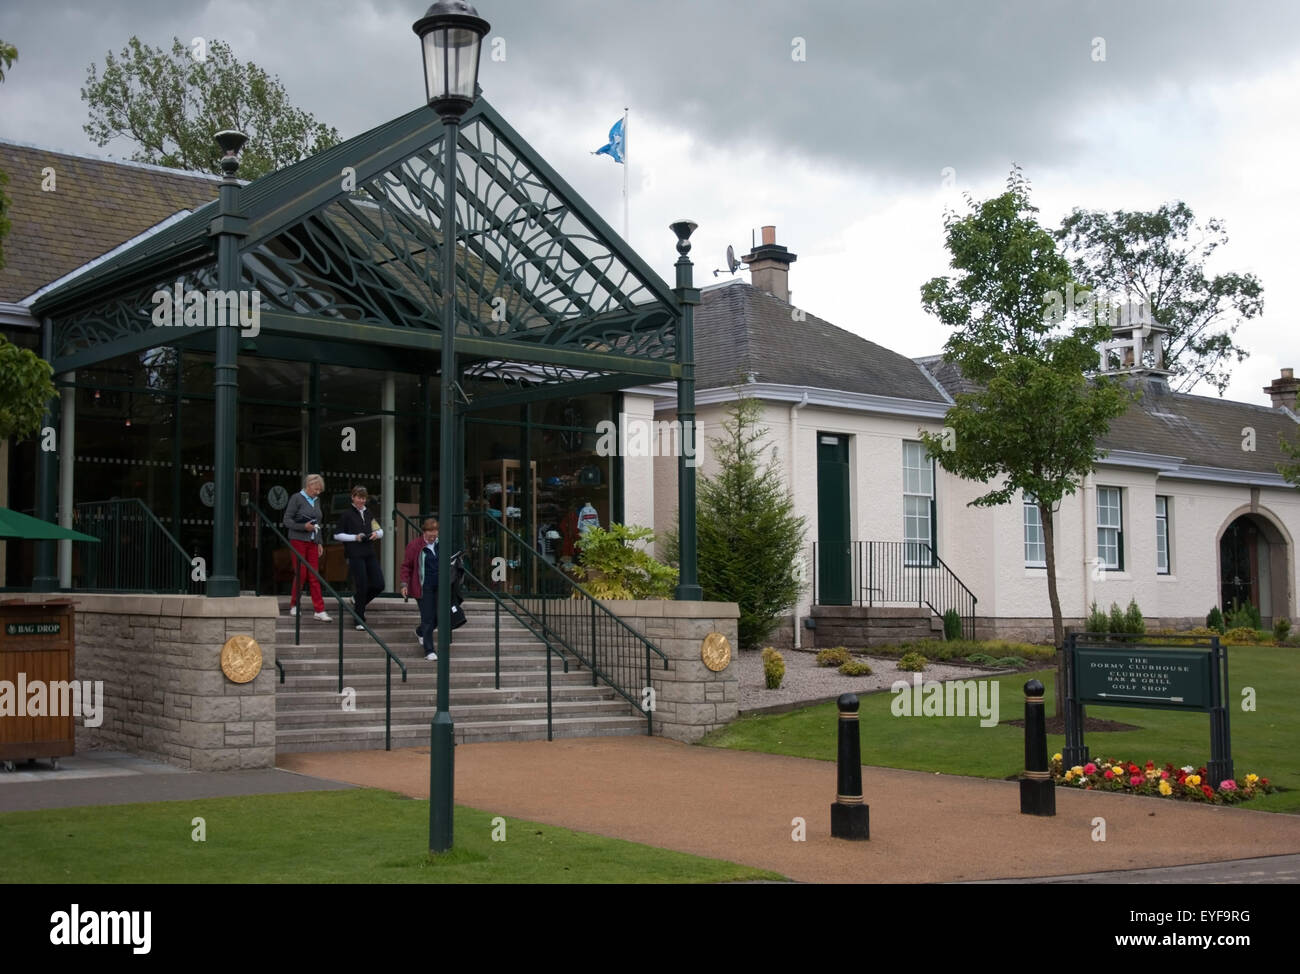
x=625, y=165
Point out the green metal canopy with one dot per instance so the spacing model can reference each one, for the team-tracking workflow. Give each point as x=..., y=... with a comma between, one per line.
x=343, y=251
x=17, y=525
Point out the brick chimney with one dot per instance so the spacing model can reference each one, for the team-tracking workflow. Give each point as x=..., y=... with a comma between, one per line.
x=769, y=266
x=1283, y=390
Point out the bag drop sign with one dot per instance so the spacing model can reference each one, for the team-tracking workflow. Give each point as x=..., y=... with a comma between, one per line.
x=33, y=628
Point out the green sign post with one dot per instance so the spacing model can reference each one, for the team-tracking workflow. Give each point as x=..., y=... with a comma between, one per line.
x=1118, y=672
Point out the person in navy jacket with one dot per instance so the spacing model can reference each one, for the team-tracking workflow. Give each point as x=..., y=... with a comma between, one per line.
x=359, y=531
x=420, y=581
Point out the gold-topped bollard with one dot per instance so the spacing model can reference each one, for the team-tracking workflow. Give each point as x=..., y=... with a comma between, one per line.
x=850, y=816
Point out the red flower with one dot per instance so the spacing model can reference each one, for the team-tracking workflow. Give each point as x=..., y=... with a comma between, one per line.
x=1207, y=791
x=1264, y=782
x=1132, y=769
x=1109, y=774
x=1151, y=766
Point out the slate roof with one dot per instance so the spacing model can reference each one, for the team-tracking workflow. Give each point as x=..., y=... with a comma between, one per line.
x=740, y=329
x=96, y=205
x=1203, y=431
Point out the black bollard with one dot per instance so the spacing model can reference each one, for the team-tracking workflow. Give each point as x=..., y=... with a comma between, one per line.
x=1037, y=790
x=850, y=817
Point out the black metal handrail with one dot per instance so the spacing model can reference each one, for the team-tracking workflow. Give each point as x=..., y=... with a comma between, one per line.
x=893, y=573
x=553, y=602
x=136, y=550
x=297, y=630
x=499, y=604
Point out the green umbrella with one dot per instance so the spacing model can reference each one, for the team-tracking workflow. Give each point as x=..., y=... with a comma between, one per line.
x=16, y=525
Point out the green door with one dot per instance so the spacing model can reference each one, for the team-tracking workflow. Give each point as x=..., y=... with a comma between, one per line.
x=834, y=572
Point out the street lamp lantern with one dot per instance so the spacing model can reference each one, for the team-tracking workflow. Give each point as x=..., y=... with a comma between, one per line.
x=451, y=33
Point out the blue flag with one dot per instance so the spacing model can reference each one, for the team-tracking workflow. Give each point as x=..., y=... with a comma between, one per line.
x=615, y=146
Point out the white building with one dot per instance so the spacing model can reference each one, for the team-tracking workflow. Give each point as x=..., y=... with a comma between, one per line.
x=1185, y=512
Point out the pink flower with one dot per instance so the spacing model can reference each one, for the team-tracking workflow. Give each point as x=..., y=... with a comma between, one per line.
x=1164, y=774
x=1228, y=785
x=1089, y=768
x=1109, y=774
x=1135, y=780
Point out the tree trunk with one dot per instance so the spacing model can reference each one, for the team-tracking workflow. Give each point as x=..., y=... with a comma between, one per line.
x=1058, y=627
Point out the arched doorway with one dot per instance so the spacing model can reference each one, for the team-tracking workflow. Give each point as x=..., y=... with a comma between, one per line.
x=1254, y=566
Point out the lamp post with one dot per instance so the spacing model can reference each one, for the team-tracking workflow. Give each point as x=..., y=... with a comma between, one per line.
x=451, y=35
x=688, y=296
x=229, y=228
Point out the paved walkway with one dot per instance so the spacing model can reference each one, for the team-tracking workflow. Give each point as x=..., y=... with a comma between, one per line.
x=115, y=778
x=740, y=806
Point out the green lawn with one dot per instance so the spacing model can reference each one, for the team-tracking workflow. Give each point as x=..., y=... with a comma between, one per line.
x=360, y=836
x=1264, y=741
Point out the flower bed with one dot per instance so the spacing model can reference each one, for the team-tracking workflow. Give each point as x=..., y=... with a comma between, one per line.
x=1185, y=783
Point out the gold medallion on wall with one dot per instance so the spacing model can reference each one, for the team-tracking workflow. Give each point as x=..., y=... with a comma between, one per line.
x=715, y=651
x=241, y=659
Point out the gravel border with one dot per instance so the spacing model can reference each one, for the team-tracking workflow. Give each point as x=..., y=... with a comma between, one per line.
x=806, y=683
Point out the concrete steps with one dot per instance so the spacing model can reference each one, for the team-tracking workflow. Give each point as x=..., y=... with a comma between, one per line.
x=310, y=714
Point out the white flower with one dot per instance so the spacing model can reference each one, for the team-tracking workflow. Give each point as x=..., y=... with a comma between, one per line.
x=1188, y=769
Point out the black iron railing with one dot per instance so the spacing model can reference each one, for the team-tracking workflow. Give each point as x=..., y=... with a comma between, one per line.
x=135, y=554
x=558, y=610
x=890, y=574
x=342, y=607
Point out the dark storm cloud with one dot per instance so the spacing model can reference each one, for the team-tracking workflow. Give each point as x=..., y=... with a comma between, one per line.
x=897, y=89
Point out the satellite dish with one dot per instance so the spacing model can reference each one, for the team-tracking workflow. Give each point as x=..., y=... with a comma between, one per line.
x=733, y=265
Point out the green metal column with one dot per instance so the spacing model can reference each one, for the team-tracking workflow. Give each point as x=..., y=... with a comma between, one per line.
x=228, y=227
x=426, y=446
x=442, y=740
x=688, y=588
x=313, y=419
x=45, y=574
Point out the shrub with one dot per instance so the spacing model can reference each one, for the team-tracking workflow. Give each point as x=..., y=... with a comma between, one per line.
x=952, y=624
x=1009, y=661
x=1133, y=621
x=855, y=667
x=913, y=662
x=614, y=567
x=1243, y=634
x=773, y=668
x=1243, y=617
x=1116, y=622
x=833, y=657
x=1097, y=621
x=1215, y=621
x=943, y=649
x=1281, y=629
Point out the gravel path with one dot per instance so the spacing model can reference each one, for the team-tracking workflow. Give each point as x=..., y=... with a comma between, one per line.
x=807, y=683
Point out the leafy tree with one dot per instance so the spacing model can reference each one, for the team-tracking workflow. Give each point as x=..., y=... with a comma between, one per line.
x=1036, y=416
x=749, y=539
x=8, y=55
x=1159, y=257
x=1290, y=470
x=25, y=388
x=171, y=105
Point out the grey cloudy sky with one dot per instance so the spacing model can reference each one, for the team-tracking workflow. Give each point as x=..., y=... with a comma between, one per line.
x=844, y=151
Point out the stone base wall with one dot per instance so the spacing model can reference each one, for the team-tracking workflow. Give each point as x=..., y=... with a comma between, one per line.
x=165, y=696
x=1039, y=630
x=690, y=699
x=860, y=626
